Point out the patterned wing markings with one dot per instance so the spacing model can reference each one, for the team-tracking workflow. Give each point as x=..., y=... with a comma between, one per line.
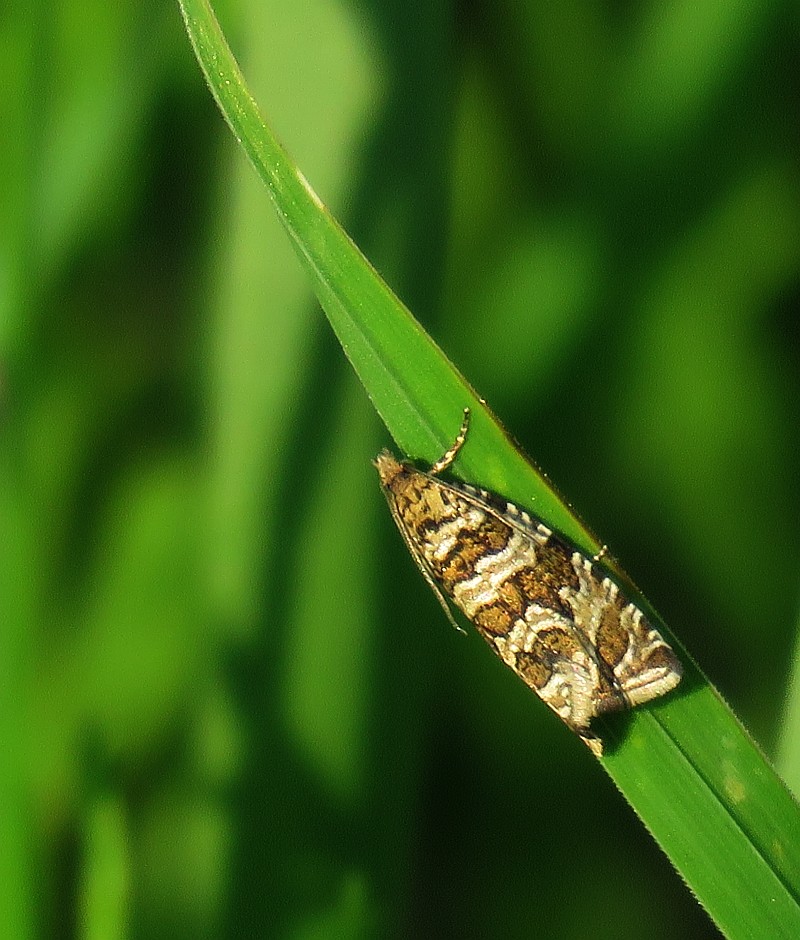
x=547, y=610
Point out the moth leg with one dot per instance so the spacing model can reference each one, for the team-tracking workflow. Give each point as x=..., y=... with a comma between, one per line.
x=423, y=566
x=450, y=454
x=601, y=554
x=445, y=606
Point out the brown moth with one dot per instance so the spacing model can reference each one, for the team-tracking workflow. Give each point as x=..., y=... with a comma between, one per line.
x=548, y=611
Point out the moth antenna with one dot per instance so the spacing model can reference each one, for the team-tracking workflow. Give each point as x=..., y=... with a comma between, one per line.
x=452, y=452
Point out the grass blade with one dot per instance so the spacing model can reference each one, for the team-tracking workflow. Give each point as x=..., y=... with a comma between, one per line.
x=686, y=765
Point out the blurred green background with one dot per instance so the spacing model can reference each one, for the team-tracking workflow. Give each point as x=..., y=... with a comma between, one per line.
x=230, y=705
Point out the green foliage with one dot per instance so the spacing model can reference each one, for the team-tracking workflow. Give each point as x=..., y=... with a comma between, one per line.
x=238, y=708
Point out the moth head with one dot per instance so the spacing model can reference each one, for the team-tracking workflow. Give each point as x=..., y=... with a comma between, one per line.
x=388, y=467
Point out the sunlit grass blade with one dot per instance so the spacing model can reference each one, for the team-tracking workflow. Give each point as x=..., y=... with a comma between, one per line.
x=685, y=764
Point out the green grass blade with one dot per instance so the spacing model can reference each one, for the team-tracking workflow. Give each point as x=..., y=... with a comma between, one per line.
x=788, y=760
x=686, y=765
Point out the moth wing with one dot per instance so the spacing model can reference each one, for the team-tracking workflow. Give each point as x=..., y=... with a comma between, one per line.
x=536, y=532
x=650, y=668
x=635, y=663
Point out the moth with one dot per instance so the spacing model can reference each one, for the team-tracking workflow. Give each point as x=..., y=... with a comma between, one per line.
x=550, y=612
